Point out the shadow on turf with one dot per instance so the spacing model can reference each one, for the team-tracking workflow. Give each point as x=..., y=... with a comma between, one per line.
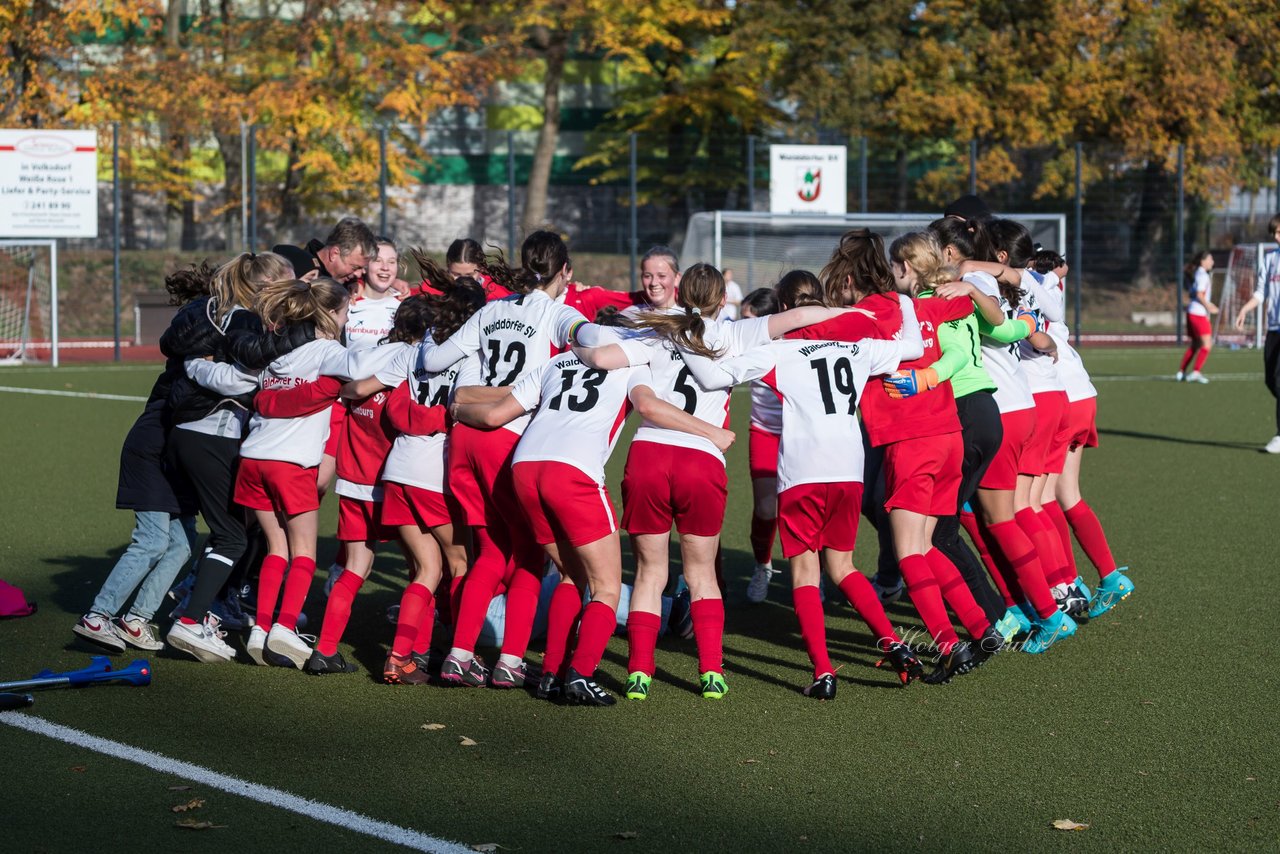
x=1179, y=440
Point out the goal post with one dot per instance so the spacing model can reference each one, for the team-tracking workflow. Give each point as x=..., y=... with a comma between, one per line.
x=761, y=247
x=28, y=302
x=1245, y=267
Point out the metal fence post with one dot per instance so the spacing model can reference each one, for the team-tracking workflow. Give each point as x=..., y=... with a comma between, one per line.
x=1182, y=249
x=1077, y=243
x=751, y=207
x=252, y=166
x=862, y=174
x=115, y=236
x=511, y=194
x=244, y=187
x=382, y=180
x=973, y=166
x=635, y=223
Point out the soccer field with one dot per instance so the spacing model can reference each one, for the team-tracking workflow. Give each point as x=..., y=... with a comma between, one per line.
x=1155, y=725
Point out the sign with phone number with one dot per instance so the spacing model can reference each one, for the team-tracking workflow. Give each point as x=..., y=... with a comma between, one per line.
x=48, y=183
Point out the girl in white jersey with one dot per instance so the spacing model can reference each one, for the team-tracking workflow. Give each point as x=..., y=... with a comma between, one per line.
x=762, y=451
x=1199, y=307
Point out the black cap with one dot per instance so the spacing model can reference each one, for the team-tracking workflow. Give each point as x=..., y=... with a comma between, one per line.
x=301, y=260
x=968, y=207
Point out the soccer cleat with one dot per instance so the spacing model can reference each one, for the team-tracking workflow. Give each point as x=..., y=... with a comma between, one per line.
x=319, y=665
x=403, y=671
x=505, y=676
x=285, y=642
x=904, y=661
x=1111, y=591
x=758, y=589
x=471, y=674
x=1273, y=446
x=638, y=685
x=959, y=662
x=1179, y=377
x=713, y=685
x=137, y=632
x=1075, y=603
x=888, y=592
x=256, y=646
x=681, y=619
x=549, y=687
x=1197, y=377
x=823, y=688
x=1048, y=631
x=203, y=641
x=582, y=690
x=1008, y=626
x=99, y=629
x=991, y=642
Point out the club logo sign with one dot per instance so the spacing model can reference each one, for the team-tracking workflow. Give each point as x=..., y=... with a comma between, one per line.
x=810, y=185
x=807, y=179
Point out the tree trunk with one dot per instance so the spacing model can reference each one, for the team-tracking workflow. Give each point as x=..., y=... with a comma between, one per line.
x=174, y=140
x=1154, y=210
x=535, y=204
x=290, y=205
x=229, y=148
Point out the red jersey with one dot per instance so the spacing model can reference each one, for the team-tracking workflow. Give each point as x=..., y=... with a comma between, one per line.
x=367, y=434
x=589, y=299
x=933, y=414
x=492, y=290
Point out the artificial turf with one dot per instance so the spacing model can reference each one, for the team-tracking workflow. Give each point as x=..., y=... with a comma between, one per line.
x=1155, y=725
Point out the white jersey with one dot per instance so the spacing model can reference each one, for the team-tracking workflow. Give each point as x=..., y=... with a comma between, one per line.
x=580, y=413
x=766, y=409
x=511, y=338
x=296, y=440
x=1070, y=367
x=1198, y=294
x=370, y=320
x=420, y=460
x=1012, y=392
x=1041, y=371
x=1267, y=291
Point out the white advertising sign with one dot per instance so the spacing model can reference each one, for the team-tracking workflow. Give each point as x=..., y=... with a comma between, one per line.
x=807, y=179
x=48, y=183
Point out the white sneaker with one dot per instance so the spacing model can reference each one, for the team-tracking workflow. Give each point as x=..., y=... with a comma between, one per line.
x=136, y=631
x=1179, y=377
x=99, y=629
x=256, y=643
x=286, y=643
x=1273, y=447
x=758, y=589
x=201, y=640
x=1197, y=377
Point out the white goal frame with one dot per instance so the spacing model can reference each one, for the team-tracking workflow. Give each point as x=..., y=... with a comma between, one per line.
x=53, y=295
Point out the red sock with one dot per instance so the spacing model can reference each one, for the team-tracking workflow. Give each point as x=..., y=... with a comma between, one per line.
x=270, y=580
x=1017, y=549
x=598, y=623
x=1053, y=510
x=338, y=612
x=1186, y=358
x=642, y=639
x=1200, y=358
x=477, y=593
x=1063, y=570
x=297, y=585
x=926, y=595
x=413, y=609
x=858, y=590
x=422, y=640
x=1088, y=530
x=522, y=604
x=456, y=586
x=566, y=603
x=974, y=530
x=763, y=532
x=813, y=627
x=1044, y=541
x=708, y=632
x=956, y=593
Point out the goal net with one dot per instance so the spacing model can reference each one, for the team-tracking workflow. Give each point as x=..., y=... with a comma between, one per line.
x=761, y=247
x=28, y=302
x=1244, y=268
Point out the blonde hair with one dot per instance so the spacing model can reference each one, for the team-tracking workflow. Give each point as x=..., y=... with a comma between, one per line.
x=236, y=283
x=701, y=295
x=923, y=252
x=286, y=303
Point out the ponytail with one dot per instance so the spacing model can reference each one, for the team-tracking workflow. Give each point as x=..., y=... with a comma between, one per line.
x=451, y=310
x=237, y=281
x=797, y=288
x=701, y=295
x=282, y=304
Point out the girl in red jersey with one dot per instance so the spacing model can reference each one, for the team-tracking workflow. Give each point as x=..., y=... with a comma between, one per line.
x=659, y=280
x=762, y=449
x=464, y=258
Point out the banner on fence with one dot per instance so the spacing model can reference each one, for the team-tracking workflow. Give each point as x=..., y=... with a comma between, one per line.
x=48, y=183
x=808, y=179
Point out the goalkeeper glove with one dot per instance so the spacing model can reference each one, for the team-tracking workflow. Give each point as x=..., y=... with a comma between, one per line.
x=910, y=383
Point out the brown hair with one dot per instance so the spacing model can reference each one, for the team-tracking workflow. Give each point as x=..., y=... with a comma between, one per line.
x=1273, y=224
x=798, y=287
x=282, y=304
x=701, y=295
x=858, y=265
x=923, y=253
x=237, y=282
x=413, y=318
x=350, y=234
x=189, y=283
x=464, y=298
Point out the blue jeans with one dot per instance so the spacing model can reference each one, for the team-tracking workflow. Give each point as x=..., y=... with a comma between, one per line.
x=160, y=548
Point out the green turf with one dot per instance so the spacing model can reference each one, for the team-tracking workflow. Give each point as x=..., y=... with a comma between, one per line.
x=1155, y=725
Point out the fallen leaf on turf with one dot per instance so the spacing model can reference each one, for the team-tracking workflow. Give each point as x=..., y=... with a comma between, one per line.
x=773, y=753
x=179, y=788
x=1068, y=824
x=1148, y=702
x=486, y=846
x=463, y=741
x=1143, y=774
x=192, y=824
x=432, y=727
x=1251, y=779
x=193, y=804
x=626, y=834
x=749, y=762
x=79, y=768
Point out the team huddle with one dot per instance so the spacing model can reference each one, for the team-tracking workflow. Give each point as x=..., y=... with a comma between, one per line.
x=930, y=387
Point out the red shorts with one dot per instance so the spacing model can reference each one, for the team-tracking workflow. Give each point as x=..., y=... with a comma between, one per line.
x=360, y=520
x=562, y=503
x=1051, y=410
x=1006, y=465
x=1198, y=325
x=1081, y=428
x=479, y=471
x=403, y=504
x=762, y=453
x=273, y=485
x=923, y=475
x=666, y=484
x=337, y=423
x=815, y=516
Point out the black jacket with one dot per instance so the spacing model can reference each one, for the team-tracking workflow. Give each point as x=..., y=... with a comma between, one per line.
x=146, y=482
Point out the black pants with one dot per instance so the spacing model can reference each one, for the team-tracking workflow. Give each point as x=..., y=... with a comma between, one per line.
x=1271, y=369
x=209, y=462
x=981, y=431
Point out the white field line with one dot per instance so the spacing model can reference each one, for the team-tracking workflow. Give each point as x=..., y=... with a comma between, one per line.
x=337, y=816
x=49, y=369
x=1134, y=378
x=54, y=392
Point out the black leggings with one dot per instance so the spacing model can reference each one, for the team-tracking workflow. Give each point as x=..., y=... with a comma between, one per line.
x=981, y=432
x=209, y=462
x=1271, y=369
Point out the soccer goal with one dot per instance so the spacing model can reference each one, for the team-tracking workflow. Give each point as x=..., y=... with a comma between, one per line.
x=28, y=301
x=761, y=247
x=1244, y=268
